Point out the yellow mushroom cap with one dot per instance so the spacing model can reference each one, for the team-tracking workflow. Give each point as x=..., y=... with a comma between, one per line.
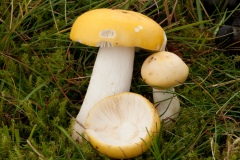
x=111, y=28
x=120, y=126
x=164, y=70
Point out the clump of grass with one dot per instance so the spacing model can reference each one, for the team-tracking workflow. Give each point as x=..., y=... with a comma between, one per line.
x=44, y=77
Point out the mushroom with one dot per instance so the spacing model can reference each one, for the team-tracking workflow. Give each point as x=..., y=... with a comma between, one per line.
x=163, y=71
x=116, y=33
x=122, y=126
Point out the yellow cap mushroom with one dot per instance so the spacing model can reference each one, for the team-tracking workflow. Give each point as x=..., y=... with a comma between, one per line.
x=108, y=27
x=120, y=126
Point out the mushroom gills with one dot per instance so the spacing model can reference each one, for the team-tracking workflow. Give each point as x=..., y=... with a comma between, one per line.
x=120, y=126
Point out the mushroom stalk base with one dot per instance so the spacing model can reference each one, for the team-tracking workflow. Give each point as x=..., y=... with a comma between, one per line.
x=112, y=74
x=167, y=104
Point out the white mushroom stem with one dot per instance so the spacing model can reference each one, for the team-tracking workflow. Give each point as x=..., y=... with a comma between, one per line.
x=167, y=104
x=112, y=74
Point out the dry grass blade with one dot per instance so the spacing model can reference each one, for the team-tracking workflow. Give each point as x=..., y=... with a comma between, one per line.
x=35, y=150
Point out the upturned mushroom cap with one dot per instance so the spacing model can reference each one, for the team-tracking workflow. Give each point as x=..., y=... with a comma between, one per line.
x=119, y=126
x=164, y=70
x=111, y=28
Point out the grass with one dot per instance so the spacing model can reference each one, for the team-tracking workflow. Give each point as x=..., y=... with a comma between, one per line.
x=44, y=77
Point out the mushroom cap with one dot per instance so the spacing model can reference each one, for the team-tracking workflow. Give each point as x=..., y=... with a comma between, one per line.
x=120, y=126
x=111, y=28
x=164, y=70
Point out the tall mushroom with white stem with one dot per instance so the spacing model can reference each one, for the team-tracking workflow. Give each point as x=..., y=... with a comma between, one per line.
x=117, y=33
x=163, y=71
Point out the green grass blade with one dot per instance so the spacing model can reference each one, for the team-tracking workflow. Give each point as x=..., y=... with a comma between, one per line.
x=71, y=140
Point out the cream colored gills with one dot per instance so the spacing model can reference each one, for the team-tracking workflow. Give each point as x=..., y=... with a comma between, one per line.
x=120, y=126
x=117, y=33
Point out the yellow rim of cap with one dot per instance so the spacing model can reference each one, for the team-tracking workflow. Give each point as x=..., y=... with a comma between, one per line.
x=138, y=110
x=108, y=27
